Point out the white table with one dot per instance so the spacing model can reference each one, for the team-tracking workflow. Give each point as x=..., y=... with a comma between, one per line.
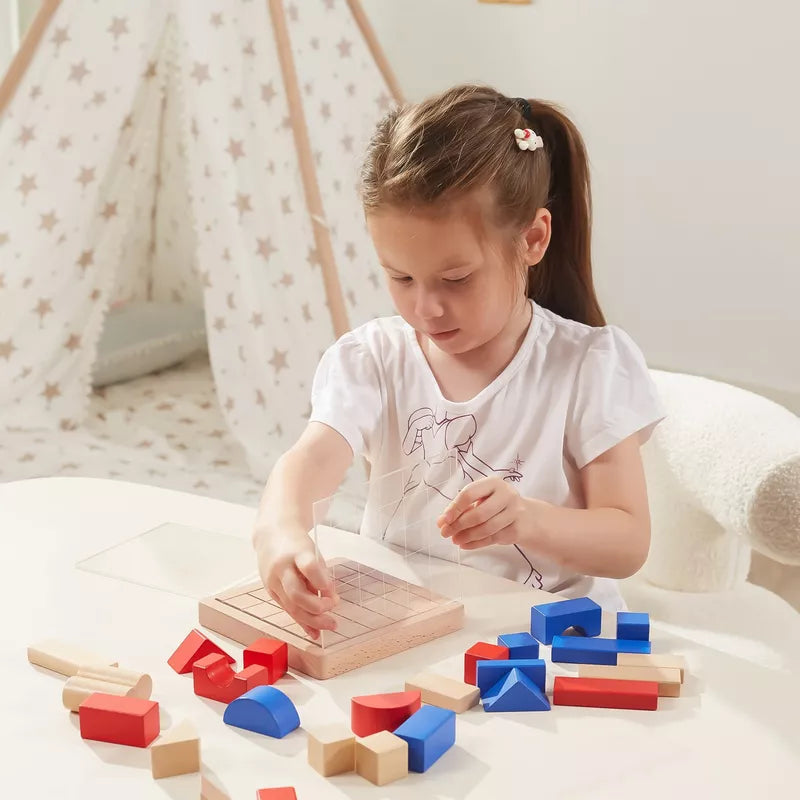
x=734, y=733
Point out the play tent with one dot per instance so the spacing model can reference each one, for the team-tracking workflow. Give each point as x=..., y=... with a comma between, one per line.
x=195, y=152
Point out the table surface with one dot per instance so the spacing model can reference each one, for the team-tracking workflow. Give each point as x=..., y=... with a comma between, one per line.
x=733, y=733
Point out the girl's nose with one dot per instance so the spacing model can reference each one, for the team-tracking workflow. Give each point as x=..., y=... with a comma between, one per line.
x=428, y=305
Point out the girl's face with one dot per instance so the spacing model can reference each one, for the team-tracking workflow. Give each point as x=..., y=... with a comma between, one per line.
x=450, y=284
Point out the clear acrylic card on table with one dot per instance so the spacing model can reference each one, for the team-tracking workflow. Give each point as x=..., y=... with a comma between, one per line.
x=178, y=559
x=382, y=543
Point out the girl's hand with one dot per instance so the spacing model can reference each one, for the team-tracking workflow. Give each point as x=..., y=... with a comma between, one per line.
x=293, y=575
x=489, y=511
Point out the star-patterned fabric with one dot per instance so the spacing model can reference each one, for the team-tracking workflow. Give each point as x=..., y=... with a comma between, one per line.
x=148, y=152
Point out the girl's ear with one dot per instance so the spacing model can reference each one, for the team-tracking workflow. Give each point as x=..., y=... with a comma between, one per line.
x=537, y=237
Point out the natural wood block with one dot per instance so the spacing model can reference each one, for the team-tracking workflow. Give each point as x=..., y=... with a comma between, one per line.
x=210, y=791
x=382, y=758
x=107, y=680
x=176, y=752
x=332, y=749
x=668, y=680
x=64, y=657
x=652, y=660
x=438, y=690
x=368, y=630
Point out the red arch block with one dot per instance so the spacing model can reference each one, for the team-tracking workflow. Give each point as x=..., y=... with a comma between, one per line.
x=371, y=713
x=214, y=678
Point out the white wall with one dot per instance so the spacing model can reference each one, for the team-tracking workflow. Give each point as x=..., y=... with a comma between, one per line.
x=691, y=118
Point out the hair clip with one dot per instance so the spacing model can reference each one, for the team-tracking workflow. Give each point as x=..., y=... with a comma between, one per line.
x=527, y=139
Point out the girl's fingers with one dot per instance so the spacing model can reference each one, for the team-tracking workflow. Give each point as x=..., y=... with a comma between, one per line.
x=484, y=531
x=477, y=515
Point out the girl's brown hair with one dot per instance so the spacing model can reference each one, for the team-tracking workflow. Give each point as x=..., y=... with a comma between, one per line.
x=463, y=140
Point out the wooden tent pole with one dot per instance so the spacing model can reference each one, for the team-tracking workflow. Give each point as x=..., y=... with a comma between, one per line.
x=23, y=56
x=322, y=239
x=375, y=49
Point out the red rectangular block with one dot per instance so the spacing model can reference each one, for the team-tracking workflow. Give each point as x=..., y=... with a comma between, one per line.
x=119, y=719
x=482, y=651
x=280, y=793
x=605, y=693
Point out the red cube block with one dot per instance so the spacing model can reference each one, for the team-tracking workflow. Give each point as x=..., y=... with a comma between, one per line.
x=119, y=719
x=482, y=651
x=270, y=653
x=281, y=793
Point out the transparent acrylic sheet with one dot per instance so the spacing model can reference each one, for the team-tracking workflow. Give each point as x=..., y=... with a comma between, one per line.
x=387, y=533
x=178, y=559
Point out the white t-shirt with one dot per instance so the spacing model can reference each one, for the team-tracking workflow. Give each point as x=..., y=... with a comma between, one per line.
x=570, y=393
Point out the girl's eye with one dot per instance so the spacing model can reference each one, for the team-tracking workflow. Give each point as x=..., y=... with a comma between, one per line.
x=403, y=279
x=457, y=280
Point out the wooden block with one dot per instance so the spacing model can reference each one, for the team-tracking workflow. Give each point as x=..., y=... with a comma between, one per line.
x=362, y=638
x=176, y=752
x=264, y=710
x=106, y=680
x=120, y=720
x=332, y=749
x=270, y=653
x=371, y=713
x=668, y=680
x=214, y=678
x=552, y=619
x=480, y=652
x=582, y=650
x=605, y=693
x=382, y=758
x=280, y=793
x=633, y=626
x=651, y=660
x=430, y=733
x=194, y=647
x=63, y=657
x=210, y=791
x=437, y=690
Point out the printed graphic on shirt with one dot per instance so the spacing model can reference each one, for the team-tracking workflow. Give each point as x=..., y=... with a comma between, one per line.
x=446, y=462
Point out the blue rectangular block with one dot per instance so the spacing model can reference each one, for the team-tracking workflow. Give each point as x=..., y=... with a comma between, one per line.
x=580, y=650
x=520, y=645
x=552, y=619
x=430, y=732
x=490, y=671
x=633, y=626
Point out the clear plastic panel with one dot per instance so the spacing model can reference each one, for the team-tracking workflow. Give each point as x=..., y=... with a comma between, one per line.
x=178, y=559
x=382, y=543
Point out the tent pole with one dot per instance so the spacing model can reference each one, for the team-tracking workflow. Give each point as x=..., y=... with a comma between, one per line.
x=375, y=49
x=316, y=211
x=23, y=56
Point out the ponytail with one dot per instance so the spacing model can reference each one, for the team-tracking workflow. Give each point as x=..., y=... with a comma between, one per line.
x=562, y=280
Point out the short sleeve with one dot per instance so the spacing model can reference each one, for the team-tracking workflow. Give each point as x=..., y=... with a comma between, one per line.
x=346, y=393
x=614, y=397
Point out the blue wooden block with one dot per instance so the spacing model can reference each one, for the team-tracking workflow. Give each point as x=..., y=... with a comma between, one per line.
x=430, y=732
x=633, y=626
x=490, y=671
x=552, y=619
x=520, y=645
x=516, y=692
x=580, y=650
x=264, y=709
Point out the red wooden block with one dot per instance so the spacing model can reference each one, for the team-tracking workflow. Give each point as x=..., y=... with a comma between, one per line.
x=119, y=719
x=605, y=693
x=214, y=678
x=482, y=651
x=195, y=646
x=270, y=653
x=281, y=793
x=371, y=713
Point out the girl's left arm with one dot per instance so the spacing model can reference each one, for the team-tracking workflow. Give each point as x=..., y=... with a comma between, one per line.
x=609, y=538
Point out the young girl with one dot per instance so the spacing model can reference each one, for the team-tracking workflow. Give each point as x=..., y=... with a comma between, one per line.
x=500, y=360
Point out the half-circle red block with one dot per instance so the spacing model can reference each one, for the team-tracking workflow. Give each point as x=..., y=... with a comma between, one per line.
x=371, y=713
x=215, y=679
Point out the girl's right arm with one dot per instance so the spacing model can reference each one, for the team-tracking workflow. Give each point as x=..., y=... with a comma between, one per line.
x=311, y=470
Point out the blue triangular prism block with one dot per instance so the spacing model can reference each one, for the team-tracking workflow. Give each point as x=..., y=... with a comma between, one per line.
x=516, y=692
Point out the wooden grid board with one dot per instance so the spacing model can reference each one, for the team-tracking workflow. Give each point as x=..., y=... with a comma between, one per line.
x=378, y=615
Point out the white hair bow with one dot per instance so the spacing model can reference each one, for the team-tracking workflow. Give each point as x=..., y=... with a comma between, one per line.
x=527, y=139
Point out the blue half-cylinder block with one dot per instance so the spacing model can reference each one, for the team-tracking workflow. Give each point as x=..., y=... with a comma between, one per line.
x=580, y=650
x=490, y=671
x=520, y=645
x=552, y=619
x=430, y=732
x=634, y=626
x=515, y=692
x=264, y=709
